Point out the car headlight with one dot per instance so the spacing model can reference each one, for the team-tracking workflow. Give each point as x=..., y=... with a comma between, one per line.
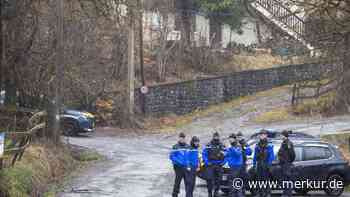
x=88, y=115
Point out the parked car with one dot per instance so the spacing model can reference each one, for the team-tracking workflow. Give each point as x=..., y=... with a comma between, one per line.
x=315, y=161
x=275, y=134
x=75, y=122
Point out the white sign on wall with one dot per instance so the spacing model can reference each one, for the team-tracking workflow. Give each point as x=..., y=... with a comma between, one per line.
x=2, y=143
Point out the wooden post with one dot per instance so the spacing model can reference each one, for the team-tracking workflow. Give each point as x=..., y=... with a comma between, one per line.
x=131, y=65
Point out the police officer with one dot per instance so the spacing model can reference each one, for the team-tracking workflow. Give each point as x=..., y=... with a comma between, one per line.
x=179, y=161
x=262, y=161
x=193, y=164
x=246, y=151
x=213, y=156
x=286, y=156
x=234, y=158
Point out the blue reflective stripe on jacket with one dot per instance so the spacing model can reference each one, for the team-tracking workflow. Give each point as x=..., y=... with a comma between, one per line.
x=234, y=157
x=270, y=157
x=193, y=158
x=178, y=155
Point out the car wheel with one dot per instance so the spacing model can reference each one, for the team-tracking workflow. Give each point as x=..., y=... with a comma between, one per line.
x=302, y=192
x=69, y=129
x=332, y=190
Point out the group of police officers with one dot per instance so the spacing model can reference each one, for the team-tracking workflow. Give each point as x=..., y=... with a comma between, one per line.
x=186, y=162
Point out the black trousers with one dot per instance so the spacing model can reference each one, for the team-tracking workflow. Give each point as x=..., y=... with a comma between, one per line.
x=190, y=180
x=245, y=177
x=214, y=178
x=287, y=172
x=180, y=173
x=263, y=175
x=236, y=190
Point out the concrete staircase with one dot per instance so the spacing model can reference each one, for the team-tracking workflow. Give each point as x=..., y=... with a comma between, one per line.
x=280, y=14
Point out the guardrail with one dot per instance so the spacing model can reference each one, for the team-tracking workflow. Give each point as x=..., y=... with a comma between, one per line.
x=17, y=142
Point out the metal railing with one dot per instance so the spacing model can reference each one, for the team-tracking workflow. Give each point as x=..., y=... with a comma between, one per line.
x=284, y=15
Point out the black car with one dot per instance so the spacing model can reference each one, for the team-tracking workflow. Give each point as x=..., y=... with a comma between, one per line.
x=315, y=161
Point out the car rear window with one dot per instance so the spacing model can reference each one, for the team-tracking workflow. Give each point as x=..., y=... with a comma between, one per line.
x=316, y=153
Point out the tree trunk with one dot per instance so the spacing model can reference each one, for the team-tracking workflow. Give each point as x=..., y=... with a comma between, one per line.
x=215, y=32
x=184, y=20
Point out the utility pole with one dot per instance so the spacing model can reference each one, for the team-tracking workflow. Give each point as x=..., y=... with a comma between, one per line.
x=140, y=7
x=131, y=64
x=141, y=41
x=54, y=129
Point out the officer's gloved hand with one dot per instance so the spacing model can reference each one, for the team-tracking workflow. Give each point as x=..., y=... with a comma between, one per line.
x=188, y=169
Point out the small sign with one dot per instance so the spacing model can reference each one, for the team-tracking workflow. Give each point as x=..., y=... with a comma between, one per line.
x=2, y=143
x=144, y=89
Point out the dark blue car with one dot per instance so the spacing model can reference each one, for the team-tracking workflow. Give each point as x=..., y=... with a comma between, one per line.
x=74, y=122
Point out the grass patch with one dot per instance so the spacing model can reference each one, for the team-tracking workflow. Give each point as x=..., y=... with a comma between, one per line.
x=275, y=115
x=41, y=169
x=172, y=122
x=16, y=182
x=86, y=156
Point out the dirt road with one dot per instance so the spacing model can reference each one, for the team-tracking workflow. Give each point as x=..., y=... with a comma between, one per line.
x=138, y=166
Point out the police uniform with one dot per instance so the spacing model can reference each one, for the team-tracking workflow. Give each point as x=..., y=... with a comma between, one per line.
x=286, y=156
x=213, y=165
x=192, y=166
x=178, y=158
x=246, y=151
x=262, y=161
x=234, y=158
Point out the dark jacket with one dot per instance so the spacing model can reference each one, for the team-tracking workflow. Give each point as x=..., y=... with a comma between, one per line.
x=286, y=154
x=207, y=149
x=178, y=155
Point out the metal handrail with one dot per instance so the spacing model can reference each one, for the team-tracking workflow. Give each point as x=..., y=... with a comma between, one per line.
x=284, y=15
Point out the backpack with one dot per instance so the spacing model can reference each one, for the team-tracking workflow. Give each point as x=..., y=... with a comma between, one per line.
x=215, y=153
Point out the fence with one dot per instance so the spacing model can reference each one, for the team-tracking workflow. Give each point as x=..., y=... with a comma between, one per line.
x=17, y=142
